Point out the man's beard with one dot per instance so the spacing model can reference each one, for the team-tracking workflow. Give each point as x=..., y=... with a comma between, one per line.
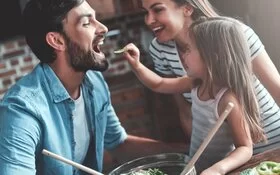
x=82, y=60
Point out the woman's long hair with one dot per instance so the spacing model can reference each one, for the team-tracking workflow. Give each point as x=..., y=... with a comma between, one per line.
x=223, y=48
x=201, y=8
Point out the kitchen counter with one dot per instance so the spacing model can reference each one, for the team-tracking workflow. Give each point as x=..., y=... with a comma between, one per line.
x=272, y=155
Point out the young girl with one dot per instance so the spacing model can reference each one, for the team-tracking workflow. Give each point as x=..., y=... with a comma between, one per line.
x=169, y=20
x=219, y=72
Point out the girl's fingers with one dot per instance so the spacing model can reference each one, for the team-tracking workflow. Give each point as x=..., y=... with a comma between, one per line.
x=132, y=50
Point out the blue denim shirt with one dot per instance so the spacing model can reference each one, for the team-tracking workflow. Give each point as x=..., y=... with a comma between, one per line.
x=36, y=114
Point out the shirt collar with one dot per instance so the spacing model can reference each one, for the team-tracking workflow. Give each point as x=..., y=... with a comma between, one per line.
x=58, y=91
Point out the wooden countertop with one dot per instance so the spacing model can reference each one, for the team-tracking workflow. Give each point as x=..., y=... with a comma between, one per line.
x=272, y=155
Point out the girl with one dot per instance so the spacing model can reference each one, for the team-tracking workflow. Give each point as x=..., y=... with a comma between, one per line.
x=216, y=58
x=169, y=19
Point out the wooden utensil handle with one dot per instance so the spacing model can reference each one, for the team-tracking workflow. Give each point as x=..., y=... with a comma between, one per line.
x=206, y=141
x=70, y=162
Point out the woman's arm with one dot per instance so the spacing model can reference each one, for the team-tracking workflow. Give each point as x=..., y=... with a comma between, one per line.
x=241, y=136
x=151, y=79
x=268, y=75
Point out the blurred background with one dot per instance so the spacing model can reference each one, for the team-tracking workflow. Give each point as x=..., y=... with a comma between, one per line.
x=141, y=111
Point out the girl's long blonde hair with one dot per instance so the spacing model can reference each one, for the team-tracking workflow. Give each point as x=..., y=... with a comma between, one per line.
x=224, y=50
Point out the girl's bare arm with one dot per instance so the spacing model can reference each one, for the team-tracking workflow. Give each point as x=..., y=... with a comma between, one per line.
x=151, y=79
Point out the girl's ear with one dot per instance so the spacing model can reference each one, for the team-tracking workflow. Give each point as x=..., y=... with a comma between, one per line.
x=55, y=40
x=188, y=10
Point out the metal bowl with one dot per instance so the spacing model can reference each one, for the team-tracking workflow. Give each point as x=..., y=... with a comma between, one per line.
x=168, y=163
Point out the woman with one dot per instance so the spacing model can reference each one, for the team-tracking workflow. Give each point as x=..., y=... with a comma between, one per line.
x=169, y=19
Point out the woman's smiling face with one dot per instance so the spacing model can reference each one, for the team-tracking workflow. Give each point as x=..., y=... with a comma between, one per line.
x=165, y=18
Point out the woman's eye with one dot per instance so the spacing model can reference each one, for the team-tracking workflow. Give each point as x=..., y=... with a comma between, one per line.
x=157, y=10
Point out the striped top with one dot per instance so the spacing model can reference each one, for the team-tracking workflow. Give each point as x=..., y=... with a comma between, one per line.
x=205, y=116
x=166, y=61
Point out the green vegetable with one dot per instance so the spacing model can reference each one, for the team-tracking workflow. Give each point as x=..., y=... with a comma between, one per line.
x=276, y=169
x=155, y=171
x=150, y=171
x=246, y=172
x=268, y=168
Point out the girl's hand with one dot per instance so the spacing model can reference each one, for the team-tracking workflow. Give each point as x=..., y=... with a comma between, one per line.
x=132, y=55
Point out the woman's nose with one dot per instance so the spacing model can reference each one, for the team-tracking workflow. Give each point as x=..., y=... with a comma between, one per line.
x=149, y=19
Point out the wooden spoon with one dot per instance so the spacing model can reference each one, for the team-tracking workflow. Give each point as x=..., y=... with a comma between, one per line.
x=206, y=141
x=70, y=162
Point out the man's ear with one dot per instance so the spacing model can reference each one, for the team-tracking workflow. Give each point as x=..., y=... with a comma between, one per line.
x=188, y=10
x=56, y=40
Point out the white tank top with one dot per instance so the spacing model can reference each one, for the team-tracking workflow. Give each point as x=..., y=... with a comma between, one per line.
x=205, y=115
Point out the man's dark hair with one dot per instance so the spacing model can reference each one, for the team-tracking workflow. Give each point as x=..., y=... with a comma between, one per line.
x=41, y=17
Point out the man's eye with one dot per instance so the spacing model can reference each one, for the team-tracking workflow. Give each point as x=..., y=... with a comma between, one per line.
x=86, y=23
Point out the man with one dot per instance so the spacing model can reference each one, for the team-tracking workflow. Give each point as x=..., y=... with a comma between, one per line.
x=64, y=104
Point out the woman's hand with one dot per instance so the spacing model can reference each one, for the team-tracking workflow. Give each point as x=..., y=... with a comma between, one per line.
x=132, y=55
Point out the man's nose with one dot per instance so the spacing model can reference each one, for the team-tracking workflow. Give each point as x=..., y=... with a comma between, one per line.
x=102, y=29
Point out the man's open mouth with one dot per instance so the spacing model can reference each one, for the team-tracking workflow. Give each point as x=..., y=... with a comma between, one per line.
x=96, y=47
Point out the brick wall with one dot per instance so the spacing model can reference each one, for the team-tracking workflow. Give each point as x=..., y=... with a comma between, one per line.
x=16, y=60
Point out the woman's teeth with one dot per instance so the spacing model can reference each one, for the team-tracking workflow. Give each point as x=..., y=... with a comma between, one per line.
x=157, y=29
